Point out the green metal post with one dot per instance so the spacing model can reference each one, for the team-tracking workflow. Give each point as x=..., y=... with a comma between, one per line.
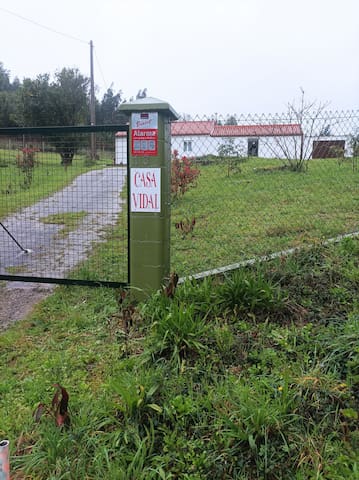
x=150, y=193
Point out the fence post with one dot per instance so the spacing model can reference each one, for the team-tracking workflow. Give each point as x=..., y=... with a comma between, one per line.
x=149, y=193
x=4, y=460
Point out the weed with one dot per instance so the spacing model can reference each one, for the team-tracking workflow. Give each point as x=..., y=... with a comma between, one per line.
x=247, y=291
x=202, y=295
x=342, y=349
x=178, y=333
x=26, y=163
x=186, y=226
x=137, y=394
x=58, y=409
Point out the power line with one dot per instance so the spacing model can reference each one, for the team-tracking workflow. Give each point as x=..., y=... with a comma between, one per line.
x=43, y=26
x=100, y=69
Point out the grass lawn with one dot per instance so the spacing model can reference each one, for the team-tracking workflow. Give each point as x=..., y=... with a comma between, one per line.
x=262, y=210
x=48, y=177
x=250, y=376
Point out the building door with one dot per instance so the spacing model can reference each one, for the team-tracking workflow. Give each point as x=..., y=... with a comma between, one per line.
x=253, y=147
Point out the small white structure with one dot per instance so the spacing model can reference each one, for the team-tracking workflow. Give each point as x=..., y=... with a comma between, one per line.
x=206, y=138
x=200, y=138
x=121, y=148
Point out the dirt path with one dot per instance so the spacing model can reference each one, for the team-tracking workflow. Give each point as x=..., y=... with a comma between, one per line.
x=17, y=300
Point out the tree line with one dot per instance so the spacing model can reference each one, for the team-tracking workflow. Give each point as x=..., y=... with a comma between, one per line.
x=60, y=100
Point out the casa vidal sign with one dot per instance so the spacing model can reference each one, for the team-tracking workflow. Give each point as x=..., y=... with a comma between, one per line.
x=145, y=190
x=144, y=136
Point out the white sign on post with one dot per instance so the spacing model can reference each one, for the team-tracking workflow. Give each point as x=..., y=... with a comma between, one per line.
x=144, y=136
x=145, y=190
x=144, y=120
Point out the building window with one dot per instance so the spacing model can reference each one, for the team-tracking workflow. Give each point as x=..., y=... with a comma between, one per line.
x=187, y=146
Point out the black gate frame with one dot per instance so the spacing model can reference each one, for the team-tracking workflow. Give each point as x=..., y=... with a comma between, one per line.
x=13, y=131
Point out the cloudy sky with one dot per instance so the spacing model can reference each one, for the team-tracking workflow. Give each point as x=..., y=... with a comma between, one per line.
x=202, y=56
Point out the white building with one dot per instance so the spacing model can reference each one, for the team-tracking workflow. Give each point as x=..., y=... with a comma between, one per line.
x=207, y=138
x=200, y=138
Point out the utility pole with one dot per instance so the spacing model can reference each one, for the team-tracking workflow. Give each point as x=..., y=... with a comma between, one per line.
x=92, y=103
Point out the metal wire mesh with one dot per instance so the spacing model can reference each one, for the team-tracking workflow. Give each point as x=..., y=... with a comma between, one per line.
x=242, y=187
x=265, y=184
x=63, y=194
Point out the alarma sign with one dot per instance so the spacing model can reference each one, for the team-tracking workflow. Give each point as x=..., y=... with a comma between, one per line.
x=144, y=139
x=145, y=189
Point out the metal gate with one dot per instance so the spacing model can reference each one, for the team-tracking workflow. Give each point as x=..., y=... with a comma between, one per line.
x=64, y=205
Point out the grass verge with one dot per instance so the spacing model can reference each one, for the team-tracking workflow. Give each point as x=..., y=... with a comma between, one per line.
x=253, y=375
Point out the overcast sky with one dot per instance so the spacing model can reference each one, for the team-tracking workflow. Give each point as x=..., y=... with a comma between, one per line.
x=202, y=56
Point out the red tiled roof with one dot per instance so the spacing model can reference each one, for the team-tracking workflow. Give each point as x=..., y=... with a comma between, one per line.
x=210, y=128
x=256, y=130
x=192, y=128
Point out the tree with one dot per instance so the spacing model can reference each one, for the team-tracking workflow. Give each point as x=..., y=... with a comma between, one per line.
x=35, y=102
x=62, y=102
x=7, y=109
x=297, y=149
x=108, y=112
x=7, y=98
x=5, y=84
x=231, y=120
x=233, y=154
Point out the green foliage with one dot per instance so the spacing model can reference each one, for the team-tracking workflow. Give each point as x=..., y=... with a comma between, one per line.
x=137, y=394
x=249, y=291
x=25, y=162
x=178, y=333
x=342, y=349
x=107, y=111
x=233, y=154
x=8, y=99
x=46, y=102
x=62, y=101
x=7, y=109
x=201, y=295
x=265, y=388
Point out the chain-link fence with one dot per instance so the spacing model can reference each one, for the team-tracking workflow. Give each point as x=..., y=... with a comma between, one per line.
x=245, y=187
x=242, y=187
x=63, y=193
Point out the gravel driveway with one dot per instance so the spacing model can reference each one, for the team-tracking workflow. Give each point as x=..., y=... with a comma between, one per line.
x=97, y=193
